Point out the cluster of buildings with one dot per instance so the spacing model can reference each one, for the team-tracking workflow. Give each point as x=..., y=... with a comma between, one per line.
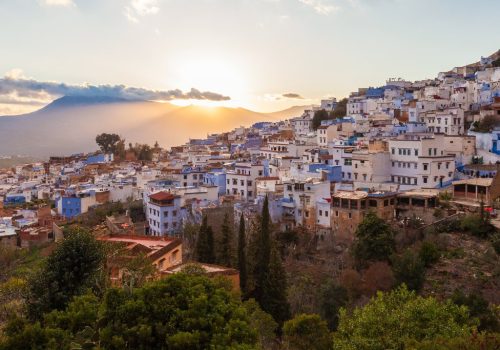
x=397, y=147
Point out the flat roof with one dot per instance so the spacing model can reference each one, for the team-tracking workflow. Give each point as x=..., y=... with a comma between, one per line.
x=476, y=181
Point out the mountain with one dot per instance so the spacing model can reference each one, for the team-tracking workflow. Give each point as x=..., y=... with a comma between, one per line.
x=291, y=112
x=69, y=124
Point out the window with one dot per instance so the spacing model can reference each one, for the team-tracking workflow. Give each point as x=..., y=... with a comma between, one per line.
x=326, y=213
x=416, y=151
x=242, y=182
x=250, y=193
x=425, y=166
x=174, y=213
x=195, y=177
x=249, y=183
x=165, y=213
x=425, y=179
x=393, y=150
x=321, y=213
x=185, y=177
x=336, y=213
x=350, y=215
x=165, y=225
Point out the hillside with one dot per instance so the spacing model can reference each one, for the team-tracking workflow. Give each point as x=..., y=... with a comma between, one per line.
x=70, y=124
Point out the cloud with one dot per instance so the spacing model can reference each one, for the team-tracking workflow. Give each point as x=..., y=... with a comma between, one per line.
x=30, y=91
x=140, y=8
x=62, y=3
x=293, y=95
x=320, y=6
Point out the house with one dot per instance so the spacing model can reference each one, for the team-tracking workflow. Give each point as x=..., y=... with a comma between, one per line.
x=163, y=213
x=350, y=207
x=162, y=252
x=240, y=181
x=471, y=192
x=420, y=160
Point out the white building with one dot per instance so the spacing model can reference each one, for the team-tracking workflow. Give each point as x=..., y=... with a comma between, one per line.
x=420, y=160
x=163, y=213
x=240, y=181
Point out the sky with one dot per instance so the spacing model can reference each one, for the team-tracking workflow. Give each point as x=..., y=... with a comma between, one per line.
x=264, y=55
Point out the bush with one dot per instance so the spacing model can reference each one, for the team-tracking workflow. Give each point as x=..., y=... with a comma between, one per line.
x=495, y=241
x=409, y=269
x=479, y=308
x=333, y=297
x=429, y=253
x=397, y=319
x=378, y=276
x=306, y=332
x=476, y=225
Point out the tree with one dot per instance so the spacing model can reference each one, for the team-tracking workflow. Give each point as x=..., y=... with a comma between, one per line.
x=108, y=142
x=242, y=256
x=263, y=323
x=374, y=240
x=318, y=117
x=269, y=275
x=306, y=332
x=275, y=301
x=340, y=110
x=205, y=243
x=409, y=269
x=393, y=320
x=68, y=272
x=226, y=248
x=333, y=297
x=262, y=255
x=479, y=308
x=178, y=312
x=429, y=253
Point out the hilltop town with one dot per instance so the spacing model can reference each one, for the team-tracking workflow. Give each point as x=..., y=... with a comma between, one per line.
x=421, y=158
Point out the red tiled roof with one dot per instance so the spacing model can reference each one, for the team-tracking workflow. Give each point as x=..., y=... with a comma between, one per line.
x=162, y=196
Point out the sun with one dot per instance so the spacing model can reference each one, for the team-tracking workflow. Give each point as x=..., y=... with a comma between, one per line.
x=211, y=74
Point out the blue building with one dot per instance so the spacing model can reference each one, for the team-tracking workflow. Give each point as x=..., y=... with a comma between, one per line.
x=14, y=199
x=216, y=178
x=99, y=158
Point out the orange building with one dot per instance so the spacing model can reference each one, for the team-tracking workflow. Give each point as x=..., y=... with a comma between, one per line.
x=163, y=252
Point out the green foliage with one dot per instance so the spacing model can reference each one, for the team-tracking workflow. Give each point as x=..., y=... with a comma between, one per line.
x=429, y=253
x=340, y=110
x=374, y=240
x=108, y=143
x=307, y=332
x=205, y=243
x=285, y=239
x=242, y=256
x=479, y=308
x=318, y=117
x=333, y=297
x=482, y=341
x=179, y=312
x=409, y=269
x=477, y=225
x=262, y=322
x=269, y=275
x=487, y=124
x=142, y=151
x=393, y=320
x=69, y=271
x=136, y=211
x=226, y=246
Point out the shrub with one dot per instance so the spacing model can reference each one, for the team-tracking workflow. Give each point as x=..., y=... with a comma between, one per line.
x=429, y=253
x=409, y=269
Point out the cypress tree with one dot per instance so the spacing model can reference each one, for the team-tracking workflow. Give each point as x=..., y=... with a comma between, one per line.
x=276, y=296
x=242, y=258
x=226, y=250
x=210, y=259
x=263, y=255
x=202, y=250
